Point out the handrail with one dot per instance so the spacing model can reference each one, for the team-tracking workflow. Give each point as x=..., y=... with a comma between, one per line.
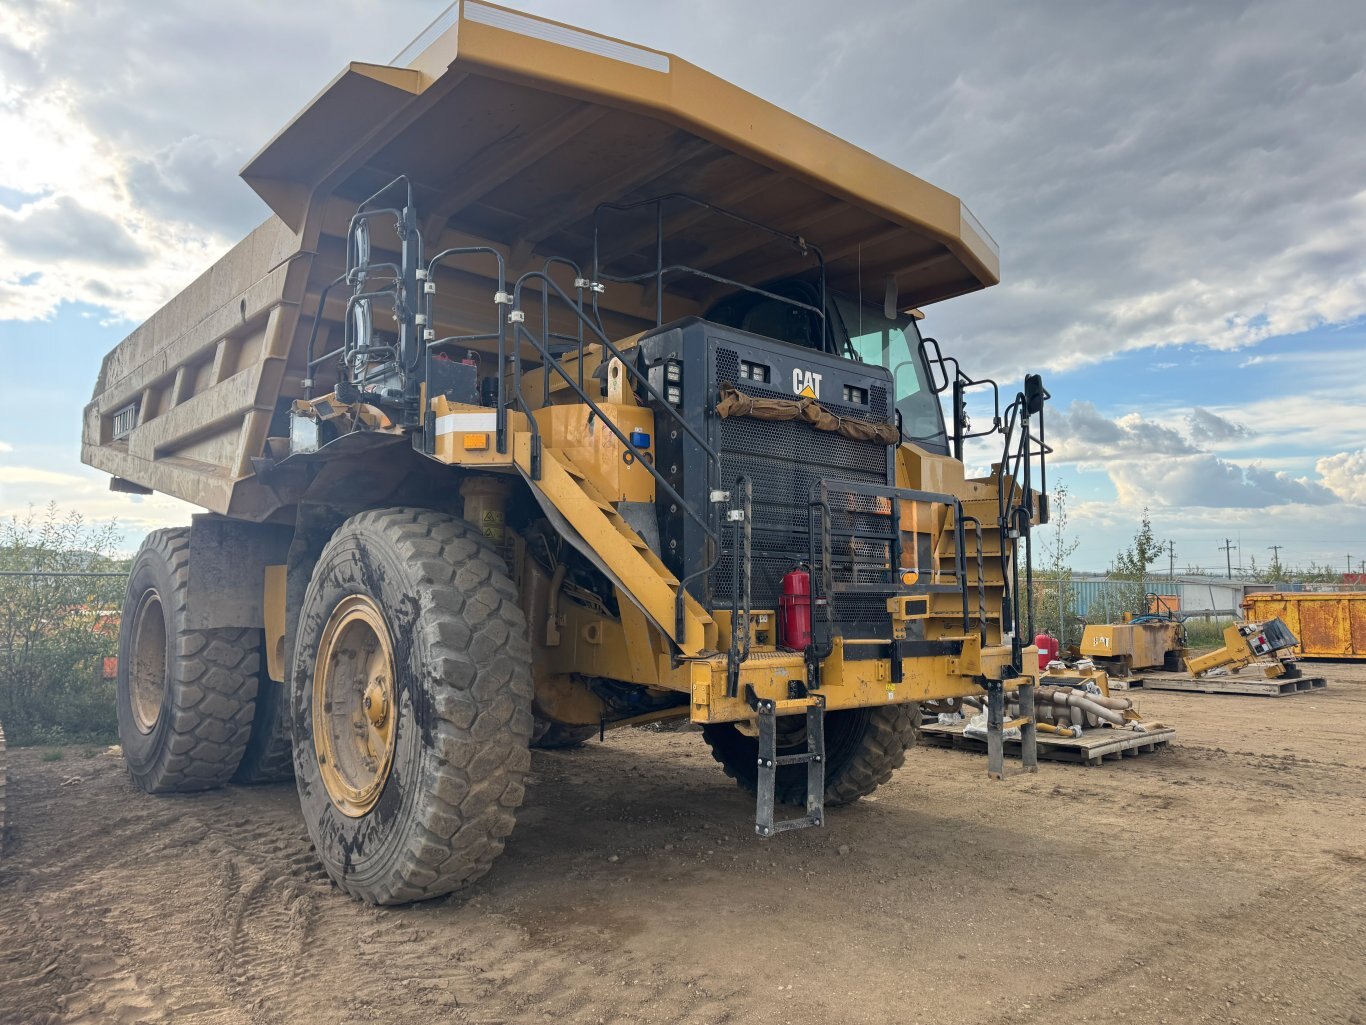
x=1014, y=488
x=981, y=580
x=518, y=317
x=820, y=556
x=804, y=246
x=741, y=576
x=500, y=298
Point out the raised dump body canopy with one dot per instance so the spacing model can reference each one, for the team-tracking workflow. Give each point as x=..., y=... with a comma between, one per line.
x=513, y=130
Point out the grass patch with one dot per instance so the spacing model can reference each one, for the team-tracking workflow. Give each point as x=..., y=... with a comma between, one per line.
x=1206, y=633
x=53, y=756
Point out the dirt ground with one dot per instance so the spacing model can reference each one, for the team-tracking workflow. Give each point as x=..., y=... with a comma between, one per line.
x=1221, y=881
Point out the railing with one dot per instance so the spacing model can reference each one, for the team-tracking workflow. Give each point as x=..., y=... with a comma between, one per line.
x=1016, y=492
x=549, y=362
x=499, y=333
x=661, y=269
x=742, y=578
x=1015, y=496
x=820, y=564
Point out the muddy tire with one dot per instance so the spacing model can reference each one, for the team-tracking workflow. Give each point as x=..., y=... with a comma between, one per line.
x=863, y=747
x=184, y=697
x=553, y=736
x=269, y=757
x=412, y=671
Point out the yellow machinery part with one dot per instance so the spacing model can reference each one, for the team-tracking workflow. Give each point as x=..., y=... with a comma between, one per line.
x=1139, y=645
x=1234, y=655
x=485, y=505
x=273, y=601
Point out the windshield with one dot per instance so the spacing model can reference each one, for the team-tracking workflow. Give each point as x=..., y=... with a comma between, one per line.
x=895, y=344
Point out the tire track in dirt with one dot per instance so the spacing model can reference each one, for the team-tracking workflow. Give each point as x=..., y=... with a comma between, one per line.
x=1217, y=951
x=633, y=893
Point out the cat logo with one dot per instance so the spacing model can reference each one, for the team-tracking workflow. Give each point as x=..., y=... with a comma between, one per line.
x=806, y=383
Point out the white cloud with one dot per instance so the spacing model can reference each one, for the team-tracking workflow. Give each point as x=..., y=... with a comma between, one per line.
x=1207, y=426
x=1196, y=189
x=1207, y=480
x=128, y=125
x=1081, y=433
x=87, y=491
x=5, y=446
x=1344, y=474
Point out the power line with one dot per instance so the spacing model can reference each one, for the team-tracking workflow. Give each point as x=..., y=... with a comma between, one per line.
x=1227, y=549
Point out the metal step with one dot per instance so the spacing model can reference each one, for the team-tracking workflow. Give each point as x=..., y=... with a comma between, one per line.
x=770, y=761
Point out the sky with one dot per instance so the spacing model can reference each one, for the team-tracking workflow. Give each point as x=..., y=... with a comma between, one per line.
x=1177, y=191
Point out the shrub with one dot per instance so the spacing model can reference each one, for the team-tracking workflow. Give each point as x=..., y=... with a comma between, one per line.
x=59, y=610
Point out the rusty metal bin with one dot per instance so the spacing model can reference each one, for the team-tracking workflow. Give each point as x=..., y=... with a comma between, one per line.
x=1328, y=624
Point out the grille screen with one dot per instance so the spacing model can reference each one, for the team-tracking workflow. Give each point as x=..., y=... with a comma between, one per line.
x=125, y=420
x=784, y=460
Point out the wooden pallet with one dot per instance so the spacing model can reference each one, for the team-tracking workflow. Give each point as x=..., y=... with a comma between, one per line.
x=1273, y=688
x=1091, y=748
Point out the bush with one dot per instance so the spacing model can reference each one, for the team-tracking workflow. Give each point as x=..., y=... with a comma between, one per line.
x=58, y=623
x=1206, y=633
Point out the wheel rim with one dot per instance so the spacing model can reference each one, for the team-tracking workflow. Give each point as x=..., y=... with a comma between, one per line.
x=354, y=713
x=147, y=674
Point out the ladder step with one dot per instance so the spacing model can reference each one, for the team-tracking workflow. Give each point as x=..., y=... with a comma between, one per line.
x=770, y=761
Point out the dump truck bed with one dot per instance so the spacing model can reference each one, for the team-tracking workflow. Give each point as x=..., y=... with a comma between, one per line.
x=513, y=130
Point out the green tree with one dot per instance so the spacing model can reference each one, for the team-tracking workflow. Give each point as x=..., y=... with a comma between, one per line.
x=1055, y=595
x=1131, y=565
x=58, y=622
x=1274, y=571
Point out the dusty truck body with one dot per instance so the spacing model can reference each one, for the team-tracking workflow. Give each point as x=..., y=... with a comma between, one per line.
x=569, y=387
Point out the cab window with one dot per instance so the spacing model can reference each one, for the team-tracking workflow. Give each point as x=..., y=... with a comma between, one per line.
x=894, y=344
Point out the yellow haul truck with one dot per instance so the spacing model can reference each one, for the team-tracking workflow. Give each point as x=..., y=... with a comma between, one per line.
x=569, y=387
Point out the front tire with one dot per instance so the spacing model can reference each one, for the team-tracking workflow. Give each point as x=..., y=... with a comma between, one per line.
x=184, y=697
x=411, y=704
x=863, y=747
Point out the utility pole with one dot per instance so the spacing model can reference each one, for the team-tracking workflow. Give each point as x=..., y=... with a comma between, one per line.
x=1171, y=562
x=1275, y=551
x=1227, y=549
x=1349, y=565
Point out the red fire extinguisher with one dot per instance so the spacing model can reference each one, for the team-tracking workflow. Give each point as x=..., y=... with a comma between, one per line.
x=1048, y=648
x=794, y=610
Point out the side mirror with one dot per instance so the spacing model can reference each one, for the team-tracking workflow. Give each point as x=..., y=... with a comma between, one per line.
x=1034, y=394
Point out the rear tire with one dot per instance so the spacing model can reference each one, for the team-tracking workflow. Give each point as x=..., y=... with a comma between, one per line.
x=554, y=736
x=412, y=668
x=863, y=747
x=184, y=697
x=269, y=757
